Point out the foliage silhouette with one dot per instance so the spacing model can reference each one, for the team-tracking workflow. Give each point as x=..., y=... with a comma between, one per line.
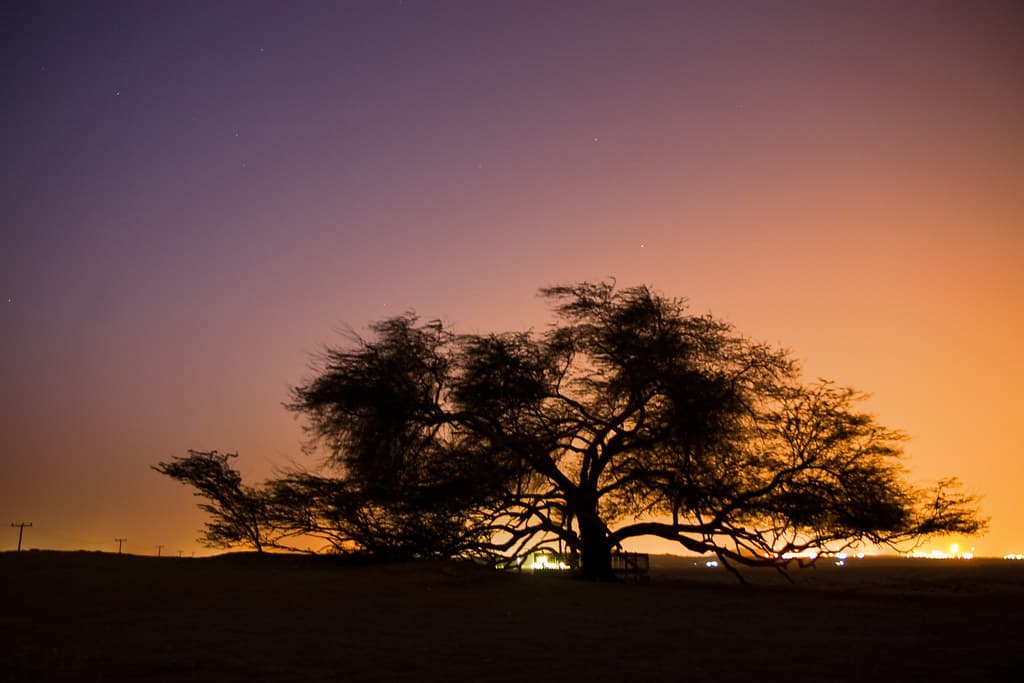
x=629, y=417
x=239, y=513
x=348, y=519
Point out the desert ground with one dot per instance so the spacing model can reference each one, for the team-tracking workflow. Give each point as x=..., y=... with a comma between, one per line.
x=79, y=616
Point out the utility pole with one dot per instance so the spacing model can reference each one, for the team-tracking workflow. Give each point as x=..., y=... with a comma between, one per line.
x=21, y=530
x=158, y=549
x=119, y=542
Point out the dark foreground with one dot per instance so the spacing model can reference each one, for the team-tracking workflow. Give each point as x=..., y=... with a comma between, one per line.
x=92, y=616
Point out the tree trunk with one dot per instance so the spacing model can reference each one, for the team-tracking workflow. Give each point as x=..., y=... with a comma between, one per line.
x=595, y=550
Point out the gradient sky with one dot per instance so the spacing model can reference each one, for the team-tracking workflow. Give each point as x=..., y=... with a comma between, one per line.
x=198, y=196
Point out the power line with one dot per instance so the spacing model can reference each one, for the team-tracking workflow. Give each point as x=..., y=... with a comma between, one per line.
x=119, y=542
x=158, y=549
x=21, y=530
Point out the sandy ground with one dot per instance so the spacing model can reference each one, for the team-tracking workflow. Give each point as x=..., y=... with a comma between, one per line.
x=95, y=616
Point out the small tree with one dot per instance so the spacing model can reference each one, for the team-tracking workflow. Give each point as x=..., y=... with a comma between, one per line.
x=238, y=512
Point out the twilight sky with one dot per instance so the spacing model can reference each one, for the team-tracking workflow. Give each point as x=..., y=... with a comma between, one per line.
x=197, y=196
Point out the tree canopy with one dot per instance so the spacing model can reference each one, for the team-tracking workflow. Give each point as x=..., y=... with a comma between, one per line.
x=628, y=417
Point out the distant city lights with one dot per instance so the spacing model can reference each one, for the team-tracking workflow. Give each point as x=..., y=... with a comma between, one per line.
x=544, y=562
x=814, y=554
x=953, y=554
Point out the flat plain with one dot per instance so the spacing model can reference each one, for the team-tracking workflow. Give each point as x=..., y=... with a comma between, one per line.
x=75, y=616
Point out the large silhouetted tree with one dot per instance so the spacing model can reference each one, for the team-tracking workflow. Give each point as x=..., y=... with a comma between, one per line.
x=629, y=417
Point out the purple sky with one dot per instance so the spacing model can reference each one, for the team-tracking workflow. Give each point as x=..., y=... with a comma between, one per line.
x=198, y=195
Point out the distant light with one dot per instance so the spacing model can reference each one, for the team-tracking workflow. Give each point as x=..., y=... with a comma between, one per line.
x=711, y=563
x=940, y=555
x=545, y=562
x=1014, y=556
x=809, y=554
x=841, y=563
